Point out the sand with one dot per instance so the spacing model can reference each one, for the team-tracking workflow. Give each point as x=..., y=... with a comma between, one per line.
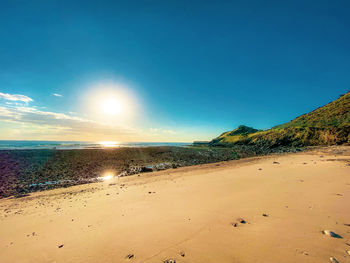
x=191, y=214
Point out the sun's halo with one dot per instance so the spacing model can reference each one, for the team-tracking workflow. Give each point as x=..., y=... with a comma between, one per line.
x=111, y=106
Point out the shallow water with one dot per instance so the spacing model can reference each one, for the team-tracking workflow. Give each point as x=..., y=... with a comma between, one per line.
x=11, y=145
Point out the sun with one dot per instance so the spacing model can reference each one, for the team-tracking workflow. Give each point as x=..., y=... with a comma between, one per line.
x=111, y=106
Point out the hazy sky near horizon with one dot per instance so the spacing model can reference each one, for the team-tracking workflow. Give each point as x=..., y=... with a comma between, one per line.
x=178, y=70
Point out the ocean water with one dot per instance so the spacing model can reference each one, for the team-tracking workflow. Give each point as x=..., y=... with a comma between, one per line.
x=11, y=145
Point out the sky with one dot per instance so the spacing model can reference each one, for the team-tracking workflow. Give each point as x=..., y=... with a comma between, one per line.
x=166, y=70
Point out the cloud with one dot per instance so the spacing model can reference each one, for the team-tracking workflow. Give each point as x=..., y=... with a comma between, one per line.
x=15, y=97
x=57, y=95
x=60, y=123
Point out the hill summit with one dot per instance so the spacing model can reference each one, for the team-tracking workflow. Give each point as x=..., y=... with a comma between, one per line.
x=327, y=125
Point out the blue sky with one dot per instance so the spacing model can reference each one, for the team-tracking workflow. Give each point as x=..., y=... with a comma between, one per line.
x=192, y=69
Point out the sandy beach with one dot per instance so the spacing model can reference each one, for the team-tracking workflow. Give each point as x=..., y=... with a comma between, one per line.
x=262, y=209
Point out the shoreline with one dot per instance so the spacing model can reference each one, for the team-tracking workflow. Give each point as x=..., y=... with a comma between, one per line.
x=26, y=171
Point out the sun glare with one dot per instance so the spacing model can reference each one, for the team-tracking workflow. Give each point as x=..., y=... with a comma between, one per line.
x=111, y=106
x=106, y=176
x=109, y=144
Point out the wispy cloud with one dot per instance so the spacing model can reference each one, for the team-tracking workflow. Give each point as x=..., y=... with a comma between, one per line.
x=15, y=97
x=57, y=95
x=15, y=109
x=23, y=121
x=71, y=124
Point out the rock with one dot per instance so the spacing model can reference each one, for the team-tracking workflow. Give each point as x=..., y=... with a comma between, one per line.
x=146, y=169
x=333, y=260
x=275, y=163
x=348, y=251
x=60, y=246
x=241, y=220
x=331, y=234
x=266, y=215
x=130, y=256
x=182, y=254
x=169, y=261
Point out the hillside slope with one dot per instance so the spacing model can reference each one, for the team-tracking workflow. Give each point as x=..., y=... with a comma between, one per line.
x=327, y=125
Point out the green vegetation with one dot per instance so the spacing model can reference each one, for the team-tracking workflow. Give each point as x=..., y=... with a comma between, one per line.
x=327, y=125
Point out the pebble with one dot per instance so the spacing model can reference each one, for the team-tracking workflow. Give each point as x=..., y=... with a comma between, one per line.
x=333, y=260
x=331, y=234
x=241, y=220
x=130, y=256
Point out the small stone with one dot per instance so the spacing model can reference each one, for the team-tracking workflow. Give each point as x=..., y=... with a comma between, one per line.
x=241, y=220
x=333, y=260
x=348, y=251
x=331, y=234
x=169, y=261
x=130, y=256
x=275, y=163
x=182, y=254
x=266, y=215
x=60, y=246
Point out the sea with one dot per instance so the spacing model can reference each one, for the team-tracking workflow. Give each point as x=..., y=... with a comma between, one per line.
x=62, y=145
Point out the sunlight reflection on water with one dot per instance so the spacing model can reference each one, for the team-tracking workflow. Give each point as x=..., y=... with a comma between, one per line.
x=109, y=144
x=106, y=176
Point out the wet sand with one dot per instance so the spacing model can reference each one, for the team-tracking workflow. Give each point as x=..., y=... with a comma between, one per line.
x=263, y=209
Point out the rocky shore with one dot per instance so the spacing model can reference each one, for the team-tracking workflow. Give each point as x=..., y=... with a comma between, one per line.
x=24, y=171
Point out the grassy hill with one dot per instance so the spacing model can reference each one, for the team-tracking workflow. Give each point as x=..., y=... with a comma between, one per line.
x=327, y=125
